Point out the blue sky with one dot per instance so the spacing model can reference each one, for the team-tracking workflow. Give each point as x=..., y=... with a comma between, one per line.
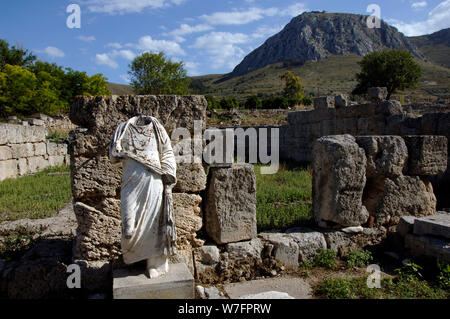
x=209, y=36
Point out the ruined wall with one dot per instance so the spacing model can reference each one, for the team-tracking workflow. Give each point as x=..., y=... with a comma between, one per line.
x=96, y=182
x=25, y=150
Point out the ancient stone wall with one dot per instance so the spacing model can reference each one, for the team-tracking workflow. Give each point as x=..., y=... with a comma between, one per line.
x=25, y=150
x=96, y=182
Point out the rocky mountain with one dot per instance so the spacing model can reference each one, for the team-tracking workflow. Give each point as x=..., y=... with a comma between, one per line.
x=317, y=35
x=435, y=46
x=437, y=38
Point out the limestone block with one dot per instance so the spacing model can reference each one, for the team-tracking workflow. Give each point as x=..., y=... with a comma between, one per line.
x=231, y=204
x=40, y=149
x=377, y=93
x=56, y=160
x=390, y=199
x=246, y=249
x=371, y=125
x=191, y=178
x=8, y=169
x=188, y=219
x=98, y=235
x=436, y=225
x=406, y=225
x=35, y=122
x=285, y=248
x=309, y=242
x=36, y=164
x=386, y=155
x=209, y=255
x=340, y=100
x=22, y=150
x=22, y=166
x=131, y=283
x=339, y=167
x=95, y=176
x=421, y=246
x=55, y=149
x=19, y=134
x=323, y=102
x=427, y=154
x=5, y=153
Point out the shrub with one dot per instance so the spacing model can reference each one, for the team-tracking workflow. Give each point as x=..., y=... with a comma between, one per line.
x=409, y=272
x=253, y=102
x=444, y=277
x=326, y=258
x=307, y=101
x=359, y=258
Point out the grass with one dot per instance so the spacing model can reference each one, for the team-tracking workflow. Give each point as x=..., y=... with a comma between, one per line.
x=358, y=258
x=34, y=196
x=391, y=288
x=284, y=198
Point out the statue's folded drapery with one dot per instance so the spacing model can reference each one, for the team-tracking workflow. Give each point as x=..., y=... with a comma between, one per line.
x=149, y=174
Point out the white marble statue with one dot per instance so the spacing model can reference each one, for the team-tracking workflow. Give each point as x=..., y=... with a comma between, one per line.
x=149, y=174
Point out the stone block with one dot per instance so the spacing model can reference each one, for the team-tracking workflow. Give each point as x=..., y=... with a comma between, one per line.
x=427, y=154
x=285, y=248
x=230, y=212
x=40, y=149
x=377, y=93
x=5, y=153
x=386, y=155
x=36, y=164
x=22, y=166
x=390, y=199
x=436, y=225
x=191, y=178
x=8, y=169
x=209, y=255
x=22, y=150
x=188, y=219
x=427, y=246
x=56, y=149
x=340, y=100
x=246, y=249
x=56, y=160
x=323, y=102
x=406, y=225
x=131, y=283
x=309, y=242
x=19, y=134
x=35, y=122
x=339, y=167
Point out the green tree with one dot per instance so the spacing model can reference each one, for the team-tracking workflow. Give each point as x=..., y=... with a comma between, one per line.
x=14, y=56
x=17, y=90
x=293, y=88
x=152, y=73
x=253, y=102
x=229, y=103
x=213, y=103
x=393, y=69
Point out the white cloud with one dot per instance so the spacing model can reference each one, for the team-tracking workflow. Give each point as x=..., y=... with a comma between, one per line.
x=438, y=19
x=146, y=43
x=114, y=45
x=192, y=68
x=239, y=17
x=419, y=5
x=222, y=46
x=105, y=59
x=125, y=77
x=85, y=38
x=265, y=30
x=128, y=6
x=52, y=52
x=185, y=29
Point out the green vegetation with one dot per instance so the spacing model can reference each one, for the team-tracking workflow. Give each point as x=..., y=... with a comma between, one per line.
x=13, y=244
x=283, y=199
x=326, y=258
x=394, y=69
x=28, y=86
x=293, y=88
x=152, y=73
x=397, y=288
x=333, y=75
x=34, y=196
x=358, y=258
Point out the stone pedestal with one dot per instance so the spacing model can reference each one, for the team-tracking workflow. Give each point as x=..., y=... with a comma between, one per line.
x=131, y=283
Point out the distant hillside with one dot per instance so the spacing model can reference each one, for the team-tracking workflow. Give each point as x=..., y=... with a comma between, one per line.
x=119, y=89
x=313, y=36
x=435, y=46
x=328, y=76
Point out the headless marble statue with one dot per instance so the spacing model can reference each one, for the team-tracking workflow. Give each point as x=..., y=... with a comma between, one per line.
x=149, y=174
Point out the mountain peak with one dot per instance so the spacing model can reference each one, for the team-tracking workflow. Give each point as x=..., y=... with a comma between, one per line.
x=315, y=35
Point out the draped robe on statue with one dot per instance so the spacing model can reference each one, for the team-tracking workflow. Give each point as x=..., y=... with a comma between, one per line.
x=149, y=174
